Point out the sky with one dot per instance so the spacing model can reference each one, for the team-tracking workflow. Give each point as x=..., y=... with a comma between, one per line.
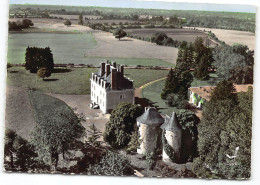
x=144, y=4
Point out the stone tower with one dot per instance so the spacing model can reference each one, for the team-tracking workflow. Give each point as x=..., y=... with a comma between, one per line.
x=149, y=127
x=172, y=132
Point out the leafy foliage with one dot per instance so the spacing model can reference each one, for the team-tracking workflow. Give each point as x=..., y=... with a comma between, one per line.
x=67, y=23
x=168, y=149
x=35, y=58
x=57, y=129
x=121, y=124
x=135, y=142
x=177, y=82
x=150, y=159
x=81, y=22
x=93, y=135
x=20, y=154
x=18, y=25
x=43, y=72
x=176, y=100
x=224, y=143
x=229, y=59
x=120, y=33
x=112, y=164
x=223, y=91
x=159, y=38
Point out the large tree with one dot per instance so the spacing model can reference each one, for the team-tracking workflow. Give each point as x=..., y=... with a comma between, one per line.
x=228, y=59
x=67, y=23
x=177, y=82
x=121, y=124
x=224, y=143
x=35, y=58
x=81, y=22
x=120, y=33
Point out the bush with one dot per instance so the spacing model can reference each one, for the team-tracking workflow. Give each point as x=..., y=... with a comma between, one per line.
x=112, y=164
x=176, y=100
x=121, y=124
x=43, y=72
x=134, y=141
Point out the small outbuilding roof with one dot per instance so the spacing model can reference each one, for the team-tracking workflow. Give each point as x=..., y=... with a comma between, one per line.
x=150, y=117
x=171, y=123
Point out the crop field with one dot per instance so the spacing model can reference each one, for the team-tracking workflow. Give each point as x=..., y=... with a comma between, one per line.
x=232, y=37
x=101, y=21
x=61, y=45
x=108, y=46
x=176, y=34
x=73, y=80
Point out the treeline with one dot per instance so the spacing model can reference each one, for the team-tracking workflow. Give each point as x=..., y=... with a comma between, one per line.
x=222, y=23
x=19, y=25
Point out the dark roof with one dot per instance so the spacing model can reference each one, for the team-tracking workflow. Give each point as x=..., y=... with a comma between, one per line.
x=150, y=116
x=171, y=123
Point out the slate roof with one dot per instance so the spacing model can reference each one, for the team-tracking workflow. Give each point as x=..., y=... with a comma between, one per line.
x=150, y=117
x=171, y=123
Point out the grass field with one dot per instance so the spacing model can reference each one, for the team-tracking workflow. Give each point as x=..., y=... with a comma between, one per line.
x=153, y=92
x=66, y=48
x=74, y=82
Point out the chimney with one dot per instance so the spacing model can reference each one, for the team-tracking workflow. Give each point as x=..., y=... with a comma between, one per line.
x=107, y=70
x=103, y=64
x=114, y=64
x=114, y=79
x=122, y=70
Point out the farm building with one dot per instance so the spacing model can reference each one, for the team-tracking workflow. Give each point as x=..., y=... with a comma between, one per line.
x=200, y=95
x=109, y=87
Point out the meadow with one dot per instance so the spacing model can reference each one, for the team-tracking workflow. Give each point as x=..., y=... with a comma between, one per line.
x=66, y=48
x=73, y=80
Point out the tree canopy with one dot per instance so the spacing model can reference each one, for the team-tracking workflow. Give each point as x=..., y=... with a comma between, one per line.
x=224, y=143
x=43, y=72
x=67, y=23
x=35, y=58
x=81, y=22
x=120, y=33
x=121, y=124
x=231, y=59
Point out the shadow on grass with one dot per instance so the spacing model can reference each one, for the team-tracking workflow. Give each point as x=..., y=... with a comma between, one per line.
x=50, y=80
x=144, y=102
x=61, y=70
x=125, y=40
x=13, y=71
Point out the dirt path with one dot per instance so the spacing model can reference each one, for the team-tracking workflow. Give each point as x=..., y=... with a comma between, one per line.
x=138, y=90
x=18, y=113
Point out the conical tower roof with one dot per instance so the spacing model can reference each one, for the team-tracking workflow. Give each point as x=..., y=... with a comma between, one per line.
x=150, y=117
x=171, y=123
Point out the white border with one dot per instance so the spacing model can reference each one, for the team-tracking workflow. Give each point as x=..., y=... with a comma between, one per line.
x=43, y=179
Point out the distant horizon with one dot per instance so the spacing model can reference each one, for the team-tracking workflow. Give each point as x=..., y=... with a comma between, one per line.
x=234, y=8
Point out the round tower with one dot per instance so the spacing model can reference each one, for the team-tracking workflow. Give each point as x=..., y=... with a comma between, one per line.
x=149, y=127
x=171, y=139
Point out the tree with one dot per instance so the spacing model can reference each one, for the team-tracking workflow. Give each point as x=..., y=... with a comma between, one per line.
x=223, y=91
x=67, y=23
x=81, y=22
x=120, y=33
x=242, y=75
x=43, y=72
x=19, y=153
x=224, y=143
x=158, y=38
x=201, y=72
x=229, y=58
x=27, y=23
x=177, y=82
x=35, y=58
x=121, y=124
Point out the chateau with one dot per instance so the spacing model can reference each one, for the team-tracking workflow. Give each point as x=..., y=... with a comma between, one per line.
x=109, y=87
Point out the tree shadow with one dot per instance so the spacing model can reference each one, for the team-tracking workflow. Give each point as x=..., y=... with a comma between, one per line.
x=50, y=80
x=144, y=102
x=13, y=71
x=61, y=70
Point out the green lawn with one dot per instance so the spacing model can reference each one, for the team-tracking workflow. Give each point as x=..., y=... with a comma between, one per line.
x=153, y=92
x=74, y=82
x=66, y=48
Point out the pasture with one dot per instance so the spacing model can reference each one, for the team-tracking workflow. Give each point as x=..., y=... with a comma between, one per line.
x=176, y=34
x=66, y=48
x=73, y=80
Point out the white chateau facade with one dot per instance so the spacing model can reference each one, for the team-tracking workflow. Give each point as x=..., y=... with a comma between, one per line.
x=109, y=87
